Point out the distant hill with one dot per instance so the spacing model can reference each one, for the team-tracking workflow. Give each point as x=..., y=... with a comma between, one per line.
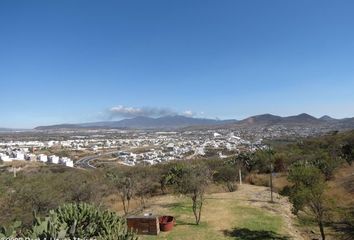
x=271, y=120
x=264, y=119
x=168, y=122
x=11, y=129
x=177, y=122
x=328, y=118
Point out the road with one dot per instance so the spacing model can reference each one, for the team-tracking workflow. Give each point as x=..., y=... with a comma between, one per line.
x=86, y=161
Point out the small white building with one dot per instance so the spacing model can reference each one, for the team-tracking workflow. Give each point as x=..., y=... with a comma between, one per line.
x=49, y=144
x=66, y=161
x=30, y=157
x=18, y=156
x=53, y=159
x=217, y=135
x=63, y=160
x=5, y=157
x=69, y=163
x=42, y=158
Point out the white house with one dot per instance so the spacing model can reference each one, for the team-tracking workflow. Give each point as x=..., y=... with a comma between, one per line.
x=66, y=161
x=49, y=143
x=63, y=160
x=5, y=157
x=217, y=135
x=18, y=156
x=30, y=157
x=53, y=159
x=42, y=158
x=69, y=163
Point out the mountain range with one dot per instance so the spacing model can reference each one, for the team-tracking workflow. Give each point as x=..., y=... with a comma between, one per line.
x=12, y=129
x=167, y=122
x=178, y=122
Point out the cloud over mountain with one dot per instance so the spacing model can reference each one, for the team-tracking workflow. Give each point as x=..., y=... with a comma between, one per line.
x=130, y=112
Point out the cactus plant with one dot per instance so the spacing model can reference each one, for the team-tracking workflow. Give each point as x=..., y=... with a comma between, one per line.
x=87, y=221
x=10, y=232
x=49, y=228
x=75, y=221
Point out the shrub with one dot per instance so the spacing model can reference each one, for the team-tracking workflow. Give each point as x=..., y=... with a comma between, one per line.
x=307, y=193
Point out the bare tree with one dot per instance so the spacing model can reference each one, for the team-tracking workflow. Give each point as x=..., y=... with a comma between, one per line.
x=125, y=187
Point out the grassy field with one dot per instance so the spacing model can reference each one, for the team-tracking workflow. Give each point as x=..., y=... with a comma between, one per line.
x=225, y=216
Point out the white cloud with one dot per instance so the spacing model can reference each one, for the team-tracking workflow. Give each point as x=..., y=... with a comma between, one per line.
x=130, y=112
x=188, y=113
x=121, y=111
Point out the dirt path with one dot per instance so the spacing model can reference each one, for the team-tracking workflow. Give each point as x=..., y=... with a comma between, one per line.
x=259, y=197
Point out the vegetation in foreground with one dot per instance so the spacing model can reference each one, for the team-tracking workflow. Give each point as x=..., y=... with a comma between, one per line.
x=72, y=221
x=311, y=166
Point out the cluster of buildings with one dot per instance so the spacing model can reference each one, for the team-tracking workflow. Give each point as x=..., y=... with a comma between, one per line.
x=23, y=154
x=174, y=146
x=134, y=147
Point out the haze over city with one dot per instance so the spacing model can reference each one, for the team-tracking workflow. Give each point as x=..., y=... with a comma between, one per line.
x=84, y=61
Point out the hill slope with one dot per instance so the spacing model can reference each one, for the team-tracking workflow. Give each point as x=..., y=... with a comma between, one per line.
x=176, y=122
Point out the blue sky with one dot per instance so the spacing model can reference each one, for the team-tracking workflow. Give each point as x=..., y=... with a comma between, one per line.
x=77, y=61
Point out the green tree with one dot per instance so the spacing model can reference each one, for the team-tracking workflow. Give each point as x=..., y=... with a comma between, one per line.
x=192, y=182
x=125, y=186
x=126, y=190
x=307, y=193
x=347, y=152
x=146, y=183
x=169, y=175
x=227, y=175
x=326, y=163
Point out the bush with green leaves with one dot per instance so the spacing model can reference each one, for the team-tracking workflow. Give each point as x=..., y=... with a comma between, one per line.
x=308, y=193
x=228, y=176
x=43, y=190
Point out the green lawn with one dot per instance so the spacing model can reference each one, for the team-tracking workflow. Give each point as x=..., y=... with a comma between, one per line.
x=221, y=219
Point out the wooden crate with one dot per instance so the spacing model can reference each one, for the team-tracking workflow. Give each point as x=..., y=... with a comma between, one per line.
x=148, y=225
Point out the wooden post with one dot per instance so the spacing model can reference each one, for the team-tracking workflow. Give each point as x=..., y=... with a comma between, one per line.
x=271, y=183
x=240, y=175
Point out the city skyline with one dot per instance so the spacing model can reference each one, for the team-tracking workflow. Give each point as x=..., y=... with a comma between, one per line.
x=71, y=62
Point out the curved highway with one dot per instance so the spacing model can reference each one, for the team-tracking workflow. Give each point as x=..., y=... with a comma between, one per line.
x=85, y=162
